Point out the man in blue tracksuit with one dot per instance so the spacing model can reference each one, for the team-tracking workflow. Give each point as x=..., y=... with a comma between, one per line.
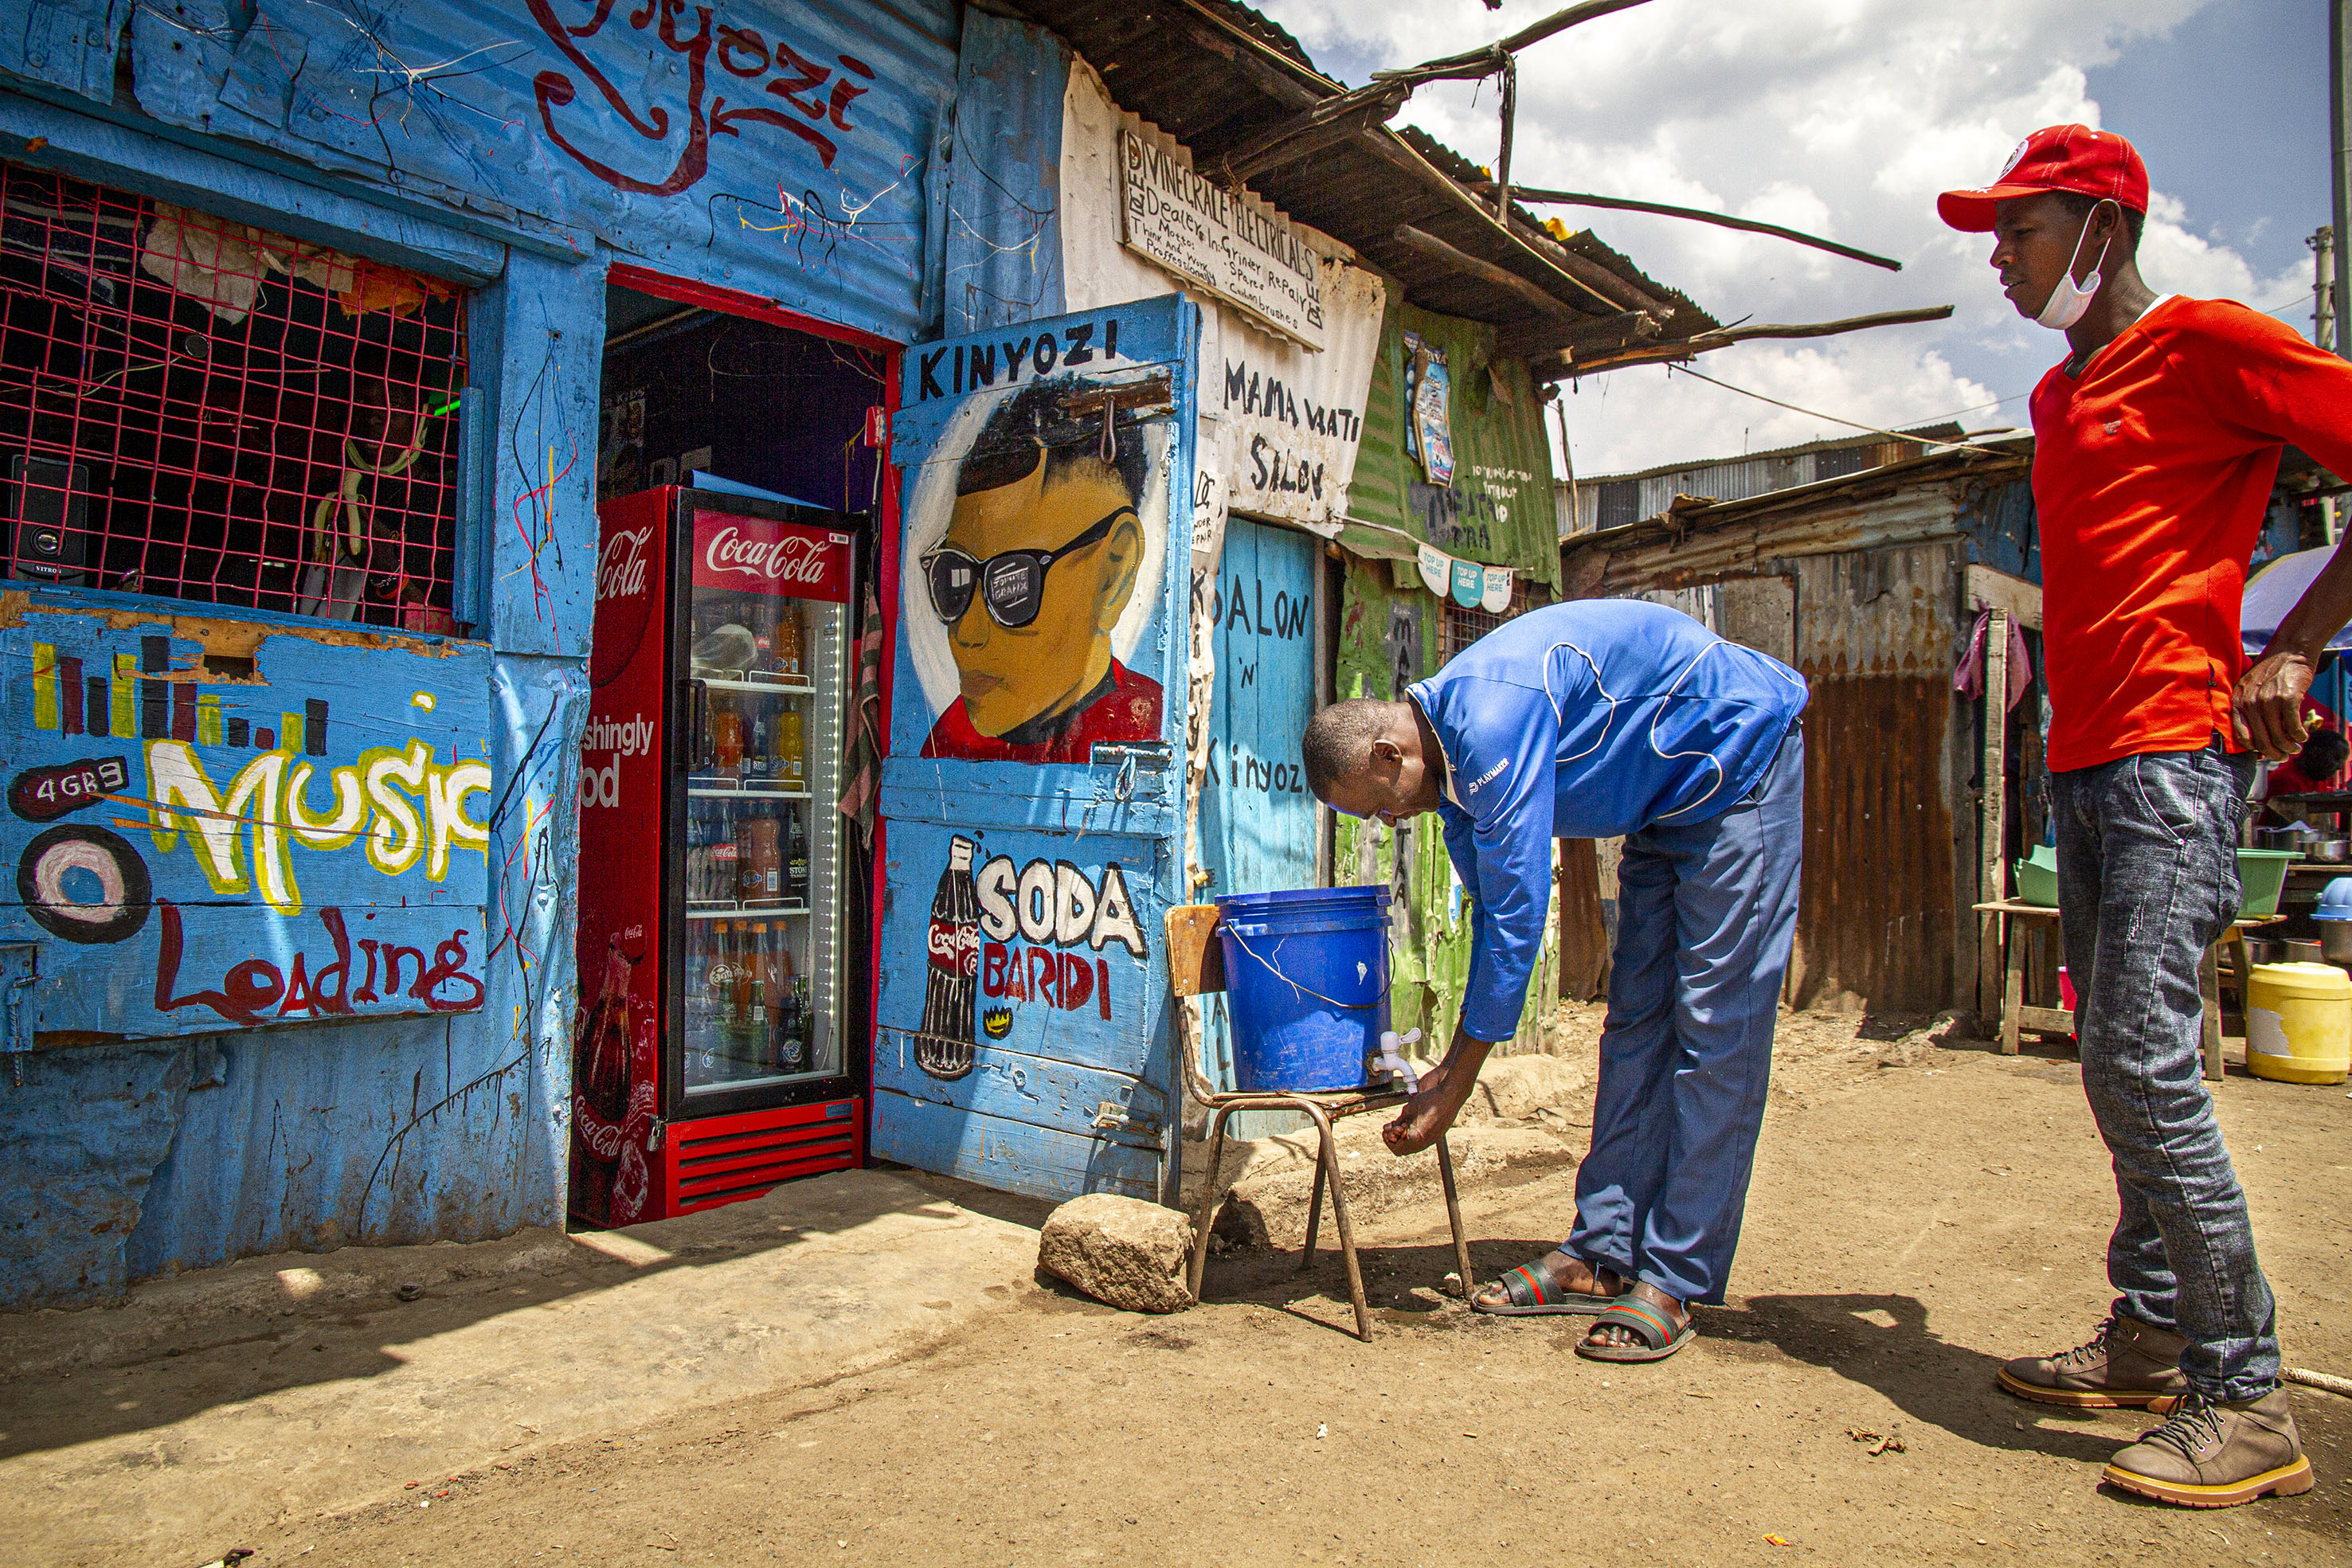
x=1591, y=720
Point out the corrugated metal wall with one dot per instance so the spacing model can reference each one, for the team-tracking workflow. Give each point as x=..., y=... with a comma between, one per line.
x=603, y=123
x=1735, y=479
x=1885, y=744
x=1889, y=830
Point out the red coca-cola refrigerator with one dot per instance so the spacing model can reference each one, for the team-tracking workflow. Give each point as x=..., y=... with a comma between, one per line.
x=718, y=889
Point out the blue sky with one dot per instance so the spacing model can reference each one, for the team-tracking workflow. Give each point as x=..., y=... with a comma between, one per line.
x=1845, y=118
x=2230, y=109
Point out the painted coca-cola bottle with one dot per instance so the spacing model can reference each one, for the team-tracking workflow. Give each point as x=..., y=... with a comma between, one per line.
x=943, y=1048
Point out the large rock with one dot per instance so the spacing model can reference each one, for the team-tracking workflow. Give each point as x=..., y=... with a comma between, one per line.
x=1121, y=1250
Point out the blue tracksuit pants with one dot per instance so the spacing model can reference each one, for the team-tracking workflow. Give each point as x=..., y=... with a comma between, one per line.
x=1707, y=913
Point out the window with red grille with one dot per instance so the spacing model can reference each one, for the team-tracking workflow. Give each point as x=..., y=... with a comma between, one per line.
x=200, y=410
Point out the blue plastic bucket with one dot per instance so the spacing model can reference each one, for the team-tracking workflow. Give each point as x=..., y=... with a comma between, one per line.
x=1307, y=985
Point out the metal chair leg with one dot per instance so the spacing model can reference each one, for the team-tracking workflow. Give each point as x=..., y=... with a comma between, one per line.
x=1204, y=1213
x=1314, y=1218
x=1453, y=1217
x=1330, y=1165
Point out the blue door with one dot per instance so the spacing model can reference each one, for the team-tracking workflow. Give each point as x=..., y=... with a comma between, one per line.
x=1034, y=795
x=1260, y=826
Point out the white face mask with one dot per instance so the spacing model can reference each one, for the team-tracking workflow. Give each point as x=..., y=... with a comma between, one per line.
x=2070, y=299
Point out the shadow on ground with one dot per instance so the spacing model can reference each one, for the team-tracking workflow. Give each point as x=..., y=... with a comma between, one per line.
x=263, y=1326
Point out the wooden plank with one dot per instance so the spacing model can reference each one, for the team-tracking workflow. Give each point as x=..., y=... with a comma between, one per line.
x=1510, y=282
x=1015, y=1086
x=1011, y=1157
x=1992, y=813
x=1196, y=959
x=1991, y=590
x=2012, y=997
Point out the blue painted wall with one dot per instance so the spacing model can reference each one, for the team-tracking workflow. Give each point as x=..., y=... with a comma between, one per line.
x=1046, y=1069
x=122, y=1160
x=1004, y=242
x=790, y=150
x=125, y=1156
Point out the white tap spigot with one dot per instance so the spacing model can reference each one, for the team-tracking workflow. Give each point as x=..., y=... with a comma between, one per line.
x=1392, y=1065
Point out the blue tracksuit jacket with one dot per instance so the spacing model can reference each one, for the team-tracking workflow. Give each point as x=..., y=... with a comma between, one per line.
x=1585, y=720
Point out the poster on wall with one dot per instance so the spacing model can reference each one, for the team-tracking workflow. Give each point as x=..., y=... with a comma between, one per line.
x=297, y=836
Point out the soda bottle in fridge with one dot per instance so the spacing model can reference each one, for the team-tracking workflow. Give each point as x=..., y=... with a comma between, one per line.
x=725, y=861
x=787, y=645
x=757, y=614
x=944, y=1047
x=738, y=1000
x=790, y=766
x=759, y=985
x=759, y=859
x=791, y=1022
x=726, y=735
x=758, y=757
x=796, y=859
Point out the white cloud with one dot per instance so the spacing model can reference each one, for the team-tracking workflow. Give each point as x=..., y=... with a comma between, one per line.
x=1844, y=118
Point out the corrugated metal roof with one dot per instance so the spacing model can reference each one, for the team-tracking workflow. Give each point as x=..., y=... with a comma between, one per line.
x=1945, y=431
x=1219, y=76
x=1914, y=502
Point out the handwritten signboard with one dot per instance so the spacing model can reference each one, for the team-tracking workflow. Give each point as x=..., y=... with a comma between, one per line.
x=1228, y=242
x=1291, y=421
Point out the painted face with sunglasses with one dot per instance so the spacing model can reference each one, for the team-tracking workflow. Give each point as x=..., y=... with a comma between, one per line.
x=1030, y=578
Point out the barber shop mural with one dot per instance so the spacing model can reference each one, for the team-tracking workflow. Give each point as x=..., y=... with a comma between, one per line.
x=1034, y=793
x=1042, y=511
x=195, y=851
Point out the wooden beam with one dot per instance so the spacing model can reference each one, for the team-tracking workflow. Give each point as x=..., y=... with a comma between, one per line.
x=1333, y=119
x=1592, y=335
x=1721, y=220
x=1510, y=282
x=1387, y=144
x=1299, y=87
x=1486, y=61
x=1691, y=348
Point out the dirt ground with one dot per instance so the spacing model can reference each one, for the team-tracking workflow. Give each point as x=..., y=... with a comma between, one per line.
x=1919, y=1213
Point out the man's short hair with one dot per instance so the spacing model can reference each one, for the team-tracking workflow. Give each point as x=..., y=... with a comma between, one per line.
x=1338, y=741
x=1057, y=422
x=2080, y=205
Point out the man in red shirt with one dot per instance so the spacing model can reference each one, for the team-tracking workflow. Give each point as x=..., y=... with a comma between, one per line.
x=2155, y=446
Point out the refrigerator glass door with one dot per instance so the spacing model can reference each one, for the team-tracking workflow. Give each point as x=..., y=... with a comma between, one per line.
x=768, y=645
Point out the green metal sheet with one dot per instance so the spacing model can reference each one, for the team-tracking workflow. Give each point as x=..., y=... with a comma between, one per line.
x=1499, y=509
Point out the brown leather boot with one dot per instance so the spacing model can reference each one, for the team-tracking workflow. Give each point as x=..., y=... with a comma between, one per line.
x=2127, y=1366
x=2208, y=1454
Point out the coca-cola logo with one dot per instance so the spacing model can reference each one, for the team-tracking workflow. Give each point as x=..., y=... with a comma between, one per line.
x=621, y=568
x=955, y=947
x=793, y=557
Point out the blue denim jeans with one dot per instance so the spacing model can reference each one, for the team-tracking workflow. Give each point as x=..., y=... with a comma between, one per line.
x=1707, y=913
x=2147, y=876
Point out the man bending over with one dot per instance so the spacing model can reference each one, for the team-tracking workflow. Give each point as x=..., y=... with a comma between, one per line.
x=1591, y=720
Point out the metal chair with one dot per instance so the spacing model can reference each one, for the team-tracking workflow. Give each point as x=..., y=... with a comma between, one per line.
x=1196, y=967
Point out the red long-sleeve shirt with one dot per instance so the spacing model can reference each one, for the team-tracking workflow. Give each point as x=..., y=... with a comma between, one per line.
x=2152, y=470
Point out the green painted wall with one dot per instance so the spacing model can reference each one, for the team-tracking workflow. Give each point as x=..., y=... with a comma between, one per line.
x=1499, y=509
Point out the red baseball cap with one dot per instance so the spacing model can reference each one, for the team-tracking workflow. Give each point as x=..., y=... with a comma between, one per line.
x=2055, y=157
